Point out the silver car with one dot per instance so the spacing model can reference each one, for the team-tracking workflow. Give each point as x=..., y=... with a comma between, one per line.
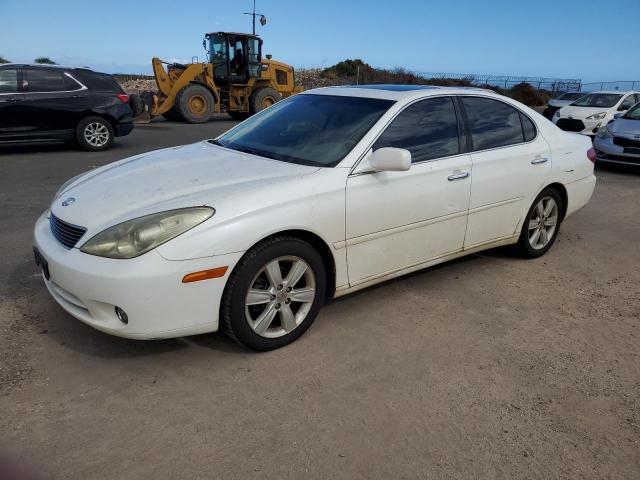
x=619, y=140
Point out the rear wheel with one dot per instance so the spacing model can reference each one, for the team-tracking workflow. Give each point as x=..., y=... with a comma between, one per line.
x=94, y=134
x=263, y=98
x=542, y=224
x=195, y=103
x=136, y=103
x=274, y=294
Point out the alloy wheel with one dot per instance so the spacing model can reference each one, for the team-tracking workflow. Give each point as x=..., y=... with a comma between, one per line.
x=280, y=296
x=543, y=223
x=96, y=134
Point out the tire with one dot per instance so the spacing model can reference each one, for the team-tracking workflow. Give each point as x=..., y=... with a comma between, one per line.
x=94, y=134
x=530, y=244
x=173, y=114
x=195, y=103
x=262, y=98
x=289, y=310
x=136, y=104
x=239, y=115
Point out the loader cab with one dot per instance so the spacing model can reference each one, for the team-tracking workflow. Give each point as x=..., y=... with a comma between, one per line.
x=235, y=57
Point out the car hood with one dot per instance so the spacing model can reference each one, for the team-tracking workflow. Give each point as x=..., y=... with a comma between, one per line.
x=625, y=126
x=178, y=177
x=581, y=112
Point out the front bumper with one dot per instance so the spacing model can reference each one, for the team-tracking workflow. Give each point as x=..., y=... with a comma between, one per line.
x=607, y=151
x=579, y=125
x=148, y=288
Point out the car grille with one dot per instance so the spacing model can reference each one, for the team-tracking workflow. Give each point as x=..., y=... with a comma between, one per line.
x=570, y=125
x=65, y=233
x=626, y=142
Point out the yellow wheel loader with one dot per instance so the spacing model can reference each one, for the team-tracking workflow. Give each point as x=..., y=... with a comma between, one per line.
x=236, y=80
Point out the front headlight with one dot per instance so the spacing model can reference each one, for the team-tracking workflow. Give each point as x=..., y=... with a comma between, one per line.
x=134, y=237
x=597, y=116
x=66, y=184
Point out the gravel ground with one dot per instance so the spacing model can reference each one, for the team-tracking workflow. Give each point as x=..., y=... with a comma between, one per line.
x=485, y=367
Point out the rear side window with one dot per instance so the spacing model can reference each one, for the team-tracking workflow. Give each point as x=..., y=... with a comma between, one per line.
x=98, y=81
x=492, y=123
x=8, y=81
x=528, y=128
x=428, y=129
x=47, y=80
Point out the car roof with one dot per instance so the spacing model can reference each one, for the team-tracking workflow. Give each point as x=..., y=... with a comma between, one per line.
x=392, y=91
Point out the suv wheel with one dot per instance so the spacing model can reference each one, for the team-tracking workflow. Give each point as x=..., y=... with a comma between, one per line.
x=94, y=134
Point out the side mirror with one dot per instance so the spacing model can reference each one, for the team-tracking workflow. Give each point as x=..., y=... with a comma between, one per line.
x=623, y=108
x=617, y=115
x=389, y=159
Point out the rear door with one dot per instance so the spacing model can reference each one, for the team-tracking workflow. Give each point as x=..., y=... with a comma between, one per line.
x=54, y=101
x=12, y=120
x=511, y=162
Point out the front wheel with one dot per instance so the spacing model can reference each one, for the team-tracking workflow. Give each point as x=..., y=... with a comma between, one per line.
x=542, y=224
x=274, y=294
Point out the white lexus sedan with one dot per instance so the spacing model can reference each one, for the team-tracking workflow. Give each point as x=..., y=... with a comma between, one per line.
x=324, y=193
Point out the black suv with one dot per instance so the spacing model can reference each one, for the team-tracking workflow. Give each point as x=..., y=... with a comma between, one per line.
x=40, y=102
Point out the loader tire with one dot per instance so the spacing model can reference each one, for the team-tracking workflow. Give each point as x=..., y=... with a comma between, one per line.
x=263, y=98
x=173, y=114
x=195, y=103
x=137, y=106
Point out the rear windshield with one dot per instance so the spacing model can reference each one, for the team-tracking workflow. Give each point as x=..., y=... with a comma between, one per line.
x=605, y=100
x=317, y=130
x=97, y=81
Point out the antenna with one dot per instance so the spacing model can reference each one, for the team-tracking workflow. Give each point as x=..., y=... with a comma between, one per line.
x=263, y=19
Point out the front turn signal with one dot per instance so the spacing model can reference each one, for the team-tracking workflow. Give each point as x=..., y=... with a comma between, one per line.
x=204, y=275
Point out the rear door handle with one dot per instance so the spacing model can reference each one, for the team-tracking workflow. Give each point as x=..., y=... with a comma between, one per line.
x=458, y=176
x=14, y=100
x=538, y=160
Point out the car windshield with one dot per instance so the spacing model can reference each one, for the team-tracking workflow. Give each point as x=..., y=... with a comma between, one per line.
x=570, y=96
x=633, y=113
x=605, y=100
x=316, y=130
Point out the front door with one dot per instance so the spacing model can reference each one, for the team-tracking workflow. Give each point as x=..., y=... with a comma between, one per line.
x=510, y=164
x=13, y=124
x=399, y=220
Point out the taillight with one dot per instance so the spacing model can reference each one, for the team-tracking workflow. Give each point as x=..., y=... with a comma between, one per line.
x=591, y=155
x=123, y=97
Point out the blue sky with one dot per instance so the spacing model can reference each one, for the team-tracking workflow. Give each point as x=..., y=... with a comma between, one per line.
x=591, y=40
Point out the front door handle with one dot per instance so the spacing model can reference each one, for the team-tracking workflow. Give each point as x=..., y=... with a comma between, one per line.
x=13, y=99
x=538, y=160
x=458, y=176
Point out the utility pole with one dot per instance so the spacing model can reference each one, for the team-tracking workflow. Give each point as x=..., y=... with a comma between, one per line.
x=263, y=19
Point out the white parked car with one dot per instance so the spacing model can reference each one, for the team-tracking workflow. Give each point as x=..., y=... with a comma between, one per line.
x=322, y=194
x=587, y=114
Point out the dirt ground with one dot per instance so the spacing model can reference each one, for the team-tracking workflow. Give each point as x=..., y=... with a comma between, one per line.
x=486, y=367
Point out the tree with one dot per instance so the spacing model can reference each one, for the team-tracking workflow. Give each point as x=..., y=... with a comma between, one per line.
x=45, y=61
x=4, y=60
x=348, y=68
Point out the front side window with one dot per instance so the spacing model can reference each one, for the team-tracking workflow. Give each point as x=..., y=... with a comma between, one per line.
x=428, y=129
x=317, y=130
x=47, y=80
x=492, y=123
x=604, y=100
x=8, y=80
